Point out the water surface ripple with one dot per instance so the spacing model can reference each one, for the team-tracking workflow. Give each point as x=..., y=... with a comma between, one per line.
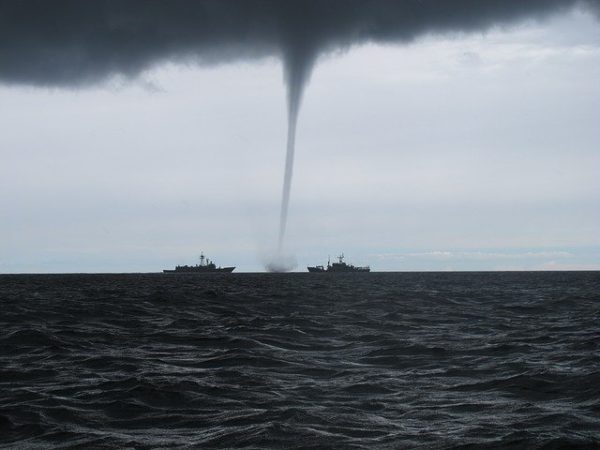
x=379, y=360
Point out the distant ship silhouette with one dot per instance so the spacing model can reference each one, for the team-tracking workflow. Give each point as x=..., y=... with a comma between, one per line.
x=205, y=266
x=339, y=266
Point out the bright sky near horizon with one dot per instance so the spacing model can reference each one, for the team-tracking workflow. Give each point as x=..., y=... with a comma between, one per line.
x=458, y=152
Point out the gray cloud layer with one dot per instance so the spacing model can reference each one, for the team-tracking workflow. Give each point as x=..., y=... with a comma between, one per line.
x=73, y=42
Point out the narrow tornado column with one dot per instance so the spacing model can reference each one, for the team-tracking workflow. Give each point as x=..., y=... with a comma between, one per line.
x=294, y=98
x=297, y=67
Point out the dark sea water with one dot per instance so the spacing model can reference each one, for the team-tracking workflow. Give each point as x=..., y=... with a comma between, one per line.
x=380, y=360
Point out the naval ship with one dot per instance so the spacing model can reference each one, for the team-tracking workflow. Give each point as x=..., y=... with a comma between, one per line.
x=205, y=266
x=339, y=266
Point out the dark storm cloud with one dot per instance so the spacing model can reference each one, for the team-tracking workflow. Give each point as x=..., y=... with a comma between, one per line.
x=74, y=42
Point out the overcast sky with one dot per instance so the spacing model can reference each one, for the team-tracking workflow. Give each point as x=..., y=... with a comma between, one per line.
x=464, y=151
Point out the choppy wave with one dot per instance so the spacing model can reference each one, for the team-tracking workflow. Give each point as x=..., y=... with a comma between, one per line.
x=374, y=360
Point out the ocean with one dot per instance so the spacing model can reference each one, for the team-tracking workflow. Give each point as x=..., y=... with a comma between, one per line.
x=371, y=360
